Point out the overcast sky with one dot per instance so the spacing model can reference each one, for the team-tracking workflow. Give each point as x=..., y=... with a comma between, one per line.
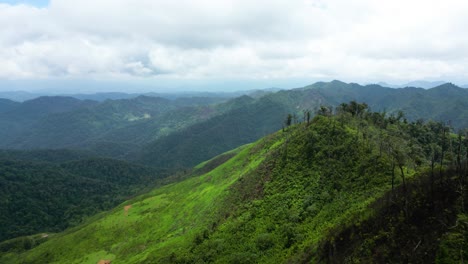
x=262, y=42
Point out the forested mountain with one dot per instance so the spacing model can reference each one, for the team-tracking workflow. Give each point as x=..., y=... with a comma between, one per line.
x=204, y=140
x=43, y=106
x=76, y=127
x=343, y=187
x=136, y=128
x=259, y=117
x=60, y=122
x=445, y=103
x=21, y=117
x=7, y=105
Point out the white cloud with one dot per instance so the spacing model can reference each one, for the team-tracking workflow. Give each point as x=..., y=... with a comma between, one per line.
x=361, y=40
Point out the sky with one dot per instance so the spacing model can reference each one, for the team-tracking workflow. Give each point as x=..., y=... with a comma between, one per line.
x=229, y=44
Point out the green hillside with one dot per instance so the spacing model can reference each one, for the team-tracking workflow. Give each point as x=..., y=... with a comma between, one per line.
x=287, y=198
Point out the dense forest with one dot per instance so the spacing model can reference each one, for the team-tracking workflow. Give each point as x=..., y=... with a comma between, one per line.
x=339, y=185
x=41, y=196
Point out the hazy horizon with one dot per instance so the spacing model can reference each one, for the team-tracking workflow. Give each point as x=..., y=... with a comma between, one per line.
x=55, y=87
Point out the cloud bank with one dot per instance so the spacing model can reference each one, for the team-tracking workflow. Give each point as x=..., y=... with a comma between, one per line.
x=361, y=40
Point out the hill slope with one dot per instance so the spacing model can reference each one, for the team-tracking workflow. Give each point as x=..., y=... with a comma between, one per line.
x=246, y=122
x=275, y=201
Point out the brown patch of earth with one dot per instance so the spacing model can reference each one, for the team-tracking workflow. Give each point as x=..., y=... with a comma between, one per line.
x=126, y=208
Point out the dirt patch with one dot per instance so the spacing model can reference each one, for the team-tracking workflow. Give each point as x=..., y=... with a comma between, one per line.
x=126, y=208
x=104, y=261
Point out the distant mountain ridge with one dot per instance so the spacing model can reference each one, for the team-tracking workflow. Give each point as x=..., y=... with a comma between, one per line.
x=179, y=133
x=191, y=145
x=112, y=128
x=446, y=102
x=7, y=105
x=417, y=84
x=21, y=96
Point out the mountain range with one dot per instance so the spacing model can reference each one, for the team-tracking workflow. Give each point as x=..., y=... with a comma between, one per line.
x=341, y=188
x=64, y=122
x=289, y=176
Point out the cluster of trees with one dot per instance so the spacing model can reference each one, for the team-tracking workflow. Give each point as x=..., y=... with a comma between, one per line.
x=427, y=165
x=431, y=161
x=409, y=144
x=49, y=197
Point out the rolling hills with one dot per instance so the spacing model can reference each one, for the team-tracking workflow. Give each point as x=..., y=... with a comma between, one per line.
x=299, y=195
x=143, y=128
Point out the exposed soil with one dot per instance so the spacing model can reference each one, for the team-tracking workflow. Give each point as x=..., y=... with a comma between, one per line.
x=126, y=208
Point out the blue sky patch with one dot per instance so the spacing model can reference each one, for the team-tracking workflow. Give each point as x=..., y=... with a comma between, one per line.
x=38, y=3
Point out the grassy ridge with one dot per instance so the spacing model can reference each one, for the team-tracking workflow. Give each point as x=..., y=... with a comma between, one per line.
x=317, y=180
x=164, y=220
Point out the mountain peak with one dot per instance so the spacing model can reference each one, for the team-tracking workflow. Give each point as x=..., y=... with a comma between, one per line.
x=446, y=87
x=335, y=82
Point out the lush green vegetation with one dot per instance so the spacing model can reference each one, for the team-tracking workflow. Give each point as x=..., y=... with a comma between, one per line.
x=121, y=128
x=313, y=183
x=49, y=197
x=292, y=197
